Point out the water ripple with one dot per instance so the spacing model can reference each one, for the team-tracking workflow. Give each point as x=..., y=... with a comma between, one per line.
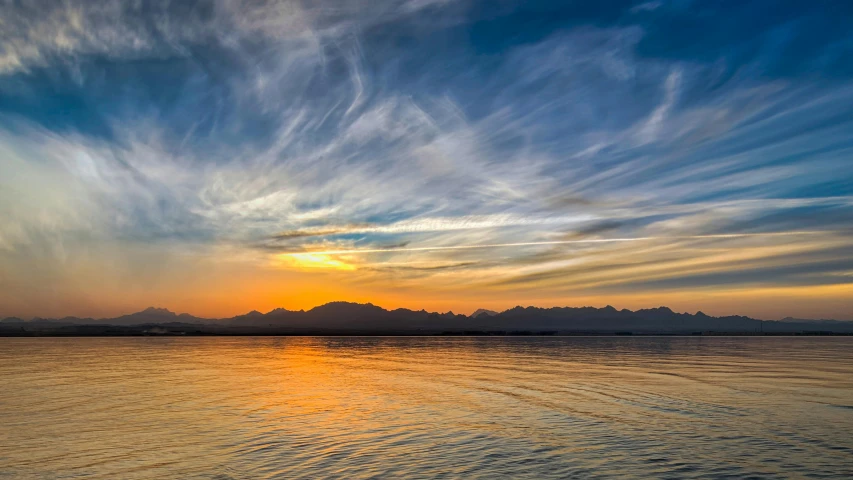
x=239, y=408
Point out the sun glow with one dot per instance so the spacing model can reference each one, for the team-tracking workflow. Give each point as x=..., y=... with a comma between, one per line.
x=304, y=261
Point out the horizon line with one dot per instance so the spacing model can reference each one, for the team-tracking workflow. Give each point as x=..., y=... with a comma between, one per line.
x=178, y=314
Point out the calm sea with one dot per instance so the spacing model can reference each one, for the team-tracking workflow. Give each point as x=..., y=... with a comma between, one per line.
x=221, y=408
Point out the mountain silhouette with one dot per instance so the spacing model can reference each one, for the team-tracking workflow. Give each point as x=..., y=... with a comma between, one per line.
x=151, y=315
x=358, y=318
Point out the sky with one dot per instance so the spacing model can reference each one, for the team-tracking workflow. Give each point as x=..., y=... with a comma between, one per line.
x=221, y=156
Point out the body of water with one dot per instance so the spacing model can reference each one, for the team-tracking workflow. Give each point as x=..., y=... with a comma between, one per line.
x=494, y=407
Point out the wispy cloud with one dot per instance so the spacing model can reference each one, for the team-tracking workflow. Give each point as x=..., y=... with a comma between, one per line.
x=552, y=242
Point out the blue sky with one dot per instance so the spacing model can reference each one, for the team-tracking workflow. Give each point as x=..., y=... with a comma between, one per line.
x=447, y=154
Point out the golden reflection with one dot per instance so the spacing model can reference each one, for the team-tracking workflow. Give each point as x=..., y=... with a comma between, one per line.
x=355, y=407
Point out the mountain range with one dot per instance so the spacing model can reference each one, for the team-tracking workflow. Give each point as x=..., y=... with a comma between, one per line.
x=354, y=318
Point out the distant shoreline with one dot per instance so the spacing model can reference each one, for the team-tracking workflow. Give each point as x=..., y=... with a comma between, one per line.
x=354, y=319
x=4, y=333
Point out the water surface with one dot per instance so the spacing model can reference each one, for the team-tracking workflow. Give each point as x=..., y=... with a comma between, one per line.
x=229, y=407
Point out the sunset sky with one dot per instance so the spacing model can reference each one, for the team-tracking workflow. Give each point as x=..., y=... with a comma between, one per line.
x=218, y=157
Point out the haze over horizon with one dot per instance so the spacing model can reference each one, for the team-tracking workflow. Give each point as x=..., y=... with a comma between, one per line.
x=217, y=157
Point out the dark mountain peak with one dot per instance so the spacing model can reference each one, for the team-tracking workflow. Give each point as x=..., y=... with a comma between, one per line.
x=248, y=318
x=149, y=315
x=157, y=311
x=609, y=309
x=483, y=311
x=346, y=308
x=340, y=304
x=516, y=311
x=658, y=311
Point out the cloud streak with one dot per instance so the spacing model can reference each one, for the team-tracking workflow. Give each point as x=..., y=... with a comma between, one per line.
x=553, y=242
